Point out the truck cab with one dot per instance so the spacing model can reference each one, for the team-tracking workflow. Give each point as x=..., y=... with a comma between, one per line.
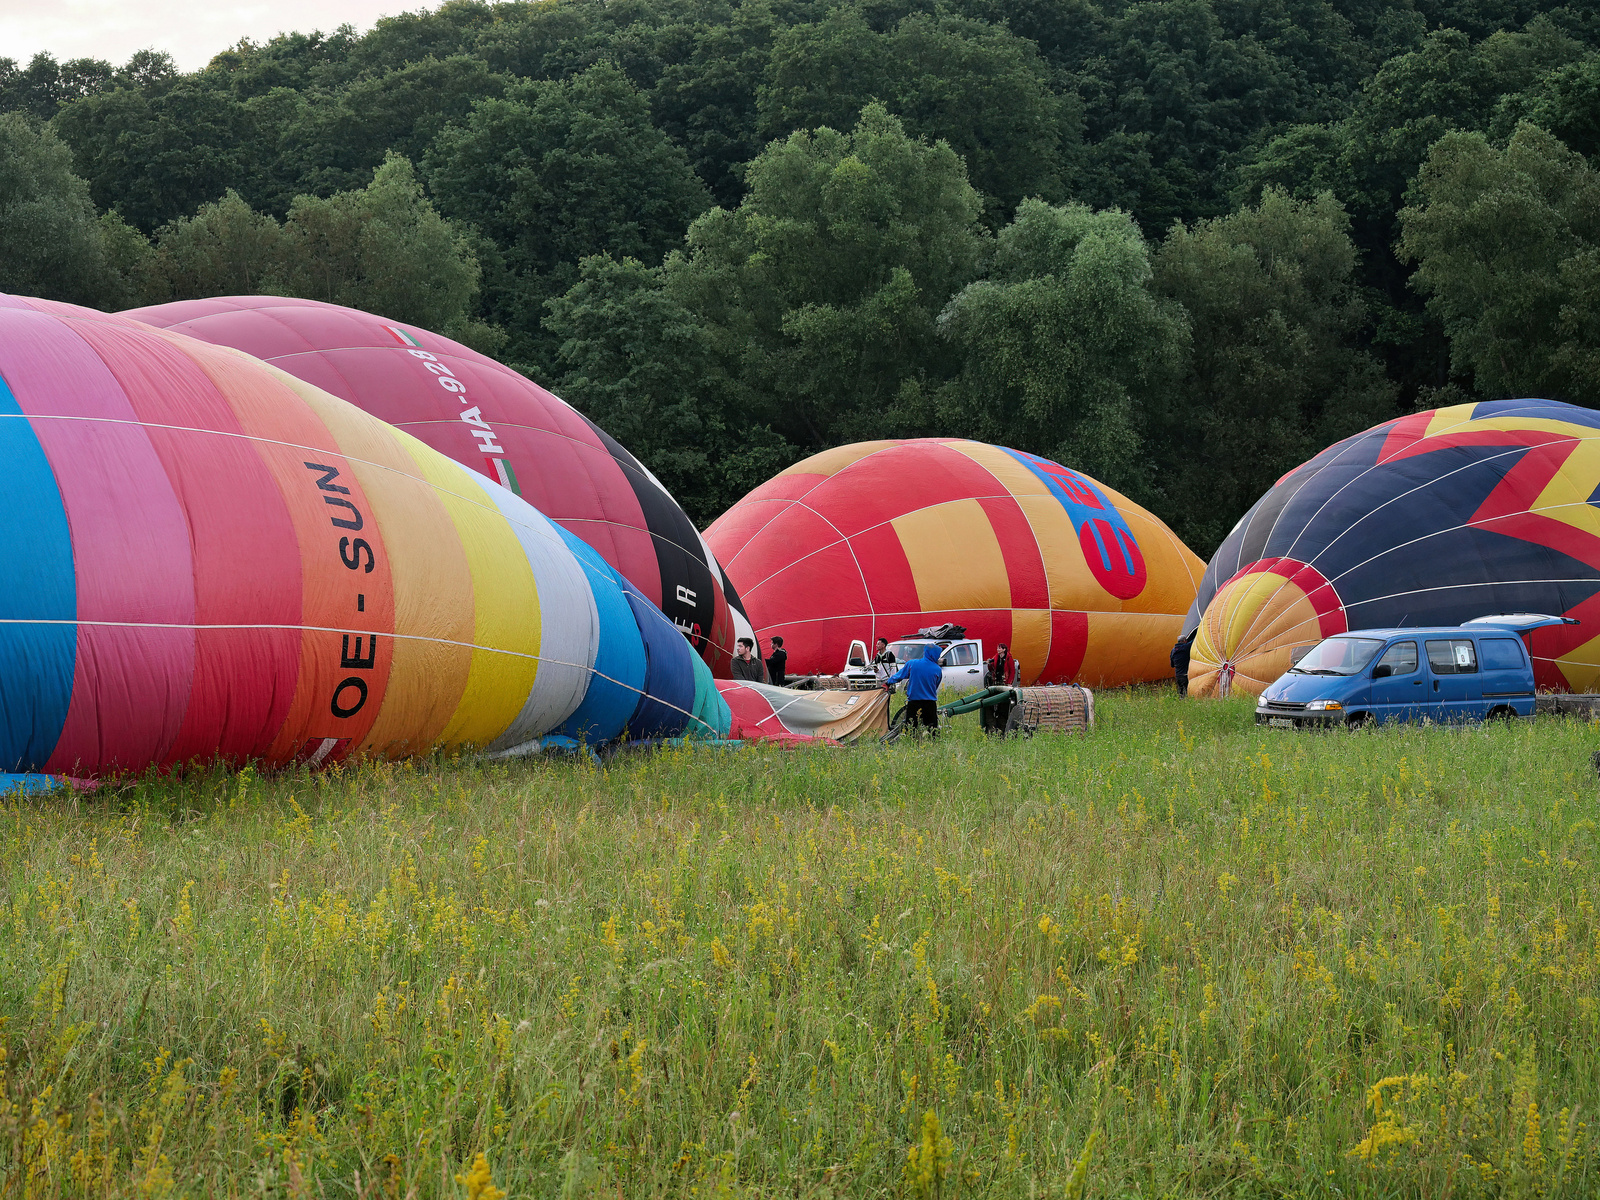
x=961, y=659
x=1445, y=674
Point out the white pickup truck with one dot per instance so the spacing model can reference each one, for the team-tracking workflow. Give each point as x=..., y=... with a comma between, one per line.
x=960, y=658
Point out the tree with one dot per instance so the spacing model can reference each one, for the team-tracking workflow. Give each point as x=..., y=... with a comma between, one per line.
x=159, y=156
x=1507, y=247
x=382, y=249
x=333, y=142
x=820, y=291
x=44, y=84
x=52, y=242
x=705, y=100
x=556, y=171
x=637, y=363
x=1275, y=372
x=1065, y=349
x=1369, y=159
x=1565, y=102
x=226, y=249
x=981, y=89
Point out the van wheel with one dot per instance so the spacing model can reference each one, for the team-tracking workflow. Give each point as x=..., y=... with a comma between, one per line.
x=1502, y=714
x=1360, y=721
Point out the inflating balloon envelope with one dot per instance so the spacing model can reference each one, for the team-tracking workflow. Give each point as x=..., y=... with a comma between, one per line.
x=498, y=423
x=1431, y=519
x=207, y=557
x=879, y=539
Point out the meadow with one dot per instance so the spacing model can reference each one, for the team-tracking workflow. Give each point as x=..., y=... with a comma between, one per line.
x=1178, y=957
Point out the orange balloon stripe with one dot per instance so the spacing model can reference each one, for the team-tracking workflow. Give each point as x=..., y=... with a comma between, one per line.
x=288, y=435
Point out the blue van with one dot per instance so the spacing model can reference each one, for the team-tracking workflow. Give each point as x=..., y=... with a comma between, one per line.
x=1445, y=674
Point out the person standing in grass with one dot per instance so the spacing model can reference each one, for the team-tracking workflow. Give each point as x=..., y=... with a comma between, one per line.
x=1000, y=671
x=1179, y=658
x=923, y=677
x=778, y=663
x=746, y=665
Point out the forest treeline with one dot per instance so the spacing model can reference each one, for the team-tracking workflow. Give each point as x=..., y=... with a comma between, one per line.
x=1179, y=244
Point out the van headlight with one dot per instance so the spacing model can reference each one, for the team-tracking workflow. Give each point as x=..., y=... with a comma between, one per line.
x=1325, y=706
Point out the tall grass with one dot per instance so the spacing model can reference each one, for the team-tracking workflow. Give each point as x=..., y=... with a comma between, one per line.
x=1177, y=957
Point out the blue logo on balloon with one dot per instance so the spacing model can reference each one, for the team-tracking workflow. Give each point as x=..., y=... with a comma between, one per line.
x=1109, y=547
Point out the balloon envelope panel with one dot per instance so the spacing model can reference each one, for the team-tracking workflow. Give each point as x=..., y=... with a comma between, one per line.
x=881, y=538
x=207, y=557
x=1430, y=519
x=496, y=422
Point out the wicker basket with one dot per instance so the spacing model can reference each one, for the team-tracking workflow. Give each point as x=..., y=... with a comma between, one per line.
x=1066, y=709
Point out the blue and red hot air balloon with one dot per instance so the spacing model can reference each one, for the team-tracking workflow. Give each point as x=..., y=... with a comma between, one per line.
x=1431, y=519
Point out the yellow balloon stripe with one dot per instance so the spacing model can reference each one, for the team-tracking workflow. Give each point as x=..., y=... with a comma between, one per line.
x=505, y=603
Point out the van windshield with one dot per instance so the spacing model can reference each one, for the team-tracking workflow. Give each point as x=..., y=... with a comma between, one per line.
x=1338, y=656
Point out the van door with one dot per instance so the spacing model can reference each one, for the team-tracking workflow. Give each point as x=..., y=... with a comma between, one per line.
x=1506, y=673
x=963, y=667
x=1456, y=690
x=1398, y=687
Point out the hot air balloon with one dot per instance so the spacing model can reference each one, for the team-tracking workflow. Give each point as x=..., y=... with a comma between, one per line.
x=206, y=557
x=1430, y=519
x=882, y=538
x=498, y=423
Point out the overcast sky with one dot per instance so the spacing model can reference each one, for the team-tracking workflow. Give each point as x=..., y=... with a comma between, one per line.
x=189, y=30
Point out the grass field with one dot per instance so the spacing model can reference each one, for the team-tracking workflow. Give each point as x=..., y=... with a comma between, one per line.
x=1175, y=958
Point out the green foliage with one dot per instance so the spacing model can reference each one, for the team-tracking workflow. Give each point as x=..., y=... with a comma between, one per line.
x=1565, y=102
x=382, y=249
x=981, y=89
x=803, y=310
x=1275, y=373
x=155, y=156
x=1174, y=957
x=225, y=249
x=44, y=84
x=636, y=362
x=321, y=144
x=556, y=171
x=1065, y=348
x=819, y=292
x=1370, y=157
x=52, y=242
x=1507, y=245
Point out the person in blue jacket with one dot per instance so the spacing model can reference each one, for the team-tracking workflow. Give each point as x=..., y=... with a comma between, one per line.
x=923, y=677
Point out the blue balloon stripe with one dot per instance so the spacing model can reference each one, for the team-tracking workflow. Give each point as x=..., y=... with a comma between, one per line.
x=619, y=664
x=36, y=584
x=664, y=710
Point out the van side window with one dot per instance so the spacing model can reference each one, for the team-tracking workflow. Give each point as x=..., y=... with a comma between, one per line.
x=962, y=654
x=1501, y=654
x=1400, y=658
x=1453, y=657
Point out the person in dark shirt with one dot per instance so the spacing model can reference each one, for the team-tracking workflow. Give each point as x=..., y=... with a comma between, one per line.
x=1179, y=659
x=746, y=665
x=777, y=663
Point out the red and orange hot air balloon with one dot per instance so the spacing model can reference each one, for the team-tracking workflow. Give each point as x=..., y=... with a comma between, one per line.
x=878, y=539
x=493, y=421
